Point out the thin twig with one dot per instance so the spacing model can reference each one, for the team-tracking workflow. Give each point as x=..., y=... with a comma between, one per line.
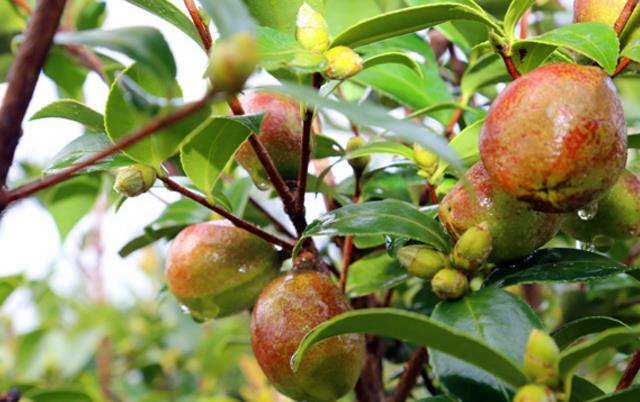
x=203, y=29
x=630, y=373
x=348, y=241
x=524, y=24
x=412, y=370
x=142, y=133
x=455, y=118
x=622, y=65
x=510, y=65
x=22, y=4
x=238, y=222
x=625, y=15
x=274, y=221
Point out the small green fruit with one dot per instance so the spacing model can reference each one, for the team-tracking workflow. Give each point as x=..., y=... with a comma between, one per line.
x=450, y=284
x=359, y=163
x=422, y=261
x=342, y=63
x=541, y=358
x=426, y=160
x=131, y=181
x=534, y=393
x=231, y=62
x=473, y=248
x=312, y=31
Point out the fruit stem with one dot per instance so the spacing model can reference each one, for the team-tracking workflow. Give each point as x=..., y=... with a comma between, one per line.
x=238, y=222
x=622, y=20
x=622, y=65
x=413, y=367
x=127, y=141
x=203, y=29
x=510, y=65
x=630, y=373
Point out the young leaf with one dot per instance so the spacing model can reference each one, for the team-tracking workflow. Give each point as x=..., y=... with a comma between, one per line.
x=392, y=58
x=383, y=147
x=630, y=394
x=170, y=13
x=574, y=330
x=229, y=16
x=279, y=50
x=516, y=10
x=375, y=272
x=419, y=330
x=83, y=147
x=283, y=16
x=71, y=109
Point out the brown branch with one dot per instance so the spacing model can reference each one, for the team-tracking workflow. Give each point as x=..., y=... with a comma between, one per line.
x=625, y=15
x=455, y=118
x=23, y=76
x=622, y=65
x=238, y=222
x=510, y=65
x=524, y=24
x=274, y=221
x=630, y=373
x=410, y=375
x=22, y=4
x=203, y=29
x=142, y=133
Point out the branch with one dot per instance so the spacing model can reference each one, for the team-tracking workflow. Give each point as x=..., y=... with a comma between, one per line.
x=630, y=373
x=23, y=77
x=622, y=20
x=144, y=132
x=276, y=223
x=622, y=65
x=410, y=375
x=524, y=24
x=203, y=29
x=238, y=222
x=510, y=65
x=22, y=4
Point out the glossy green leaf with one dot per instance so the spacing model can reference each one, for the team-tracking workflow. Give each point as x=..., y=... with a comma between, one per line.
x=388, y=217
x=170, y=13
x=516, y=10
x=632, y=49
x=631, y=394
x=574, y=330
x=83, y=147
x=229, y=16
x=326, y=147
x=210, y=149
x=375, y=272
x=583, y=390
x=392, y=58
x=66, y=72
x=487, y=70
x=143, y=44
x=72, y=110
x=59, y=395
x=410, y=19
x=280, y=15
x=494, y=317
x=279, y=50
x=419, y=330
x=382, y=147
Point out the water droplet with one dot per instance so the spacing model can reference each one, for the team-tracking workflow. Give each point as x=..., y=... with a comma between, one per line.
x=586, y=246
x=589, y=212
x=184, y=309
x=242, y=269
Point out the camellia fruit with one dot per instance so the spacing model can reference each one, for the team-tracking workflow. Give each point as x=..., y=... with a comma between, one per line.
x=515, y=228
x=473, y=248
x=541, y=358
x=603, y=11
x=449, y=284
x=556, y=137
x=217, y=269
x=616, y=215
x=534, y=393
x=280, y=133
x=131, y=181
x=422, y=261
x=287, y=309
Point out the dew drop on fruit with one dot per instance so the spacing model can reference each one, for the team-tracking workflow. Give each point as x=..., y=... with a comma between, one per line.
x=589, y=212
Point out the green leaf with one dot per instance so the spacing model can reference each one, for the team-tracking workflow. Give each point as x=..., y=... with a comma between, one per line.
x=410, y=19
x=326, y=147
x=388, y=217
x=375, y=272
x=59, y=395
x=143, y=44
x=211, y=148
x=83, y=147
x=170, y=13
x=66, y=71
x=583, y=390
x=281, y=15
x=634, y=141
x=632, y=49
x=229, y=16
x=594, y=40
x=630, y=394
x=7, y=285
x=71, y=109
x=516, y=10
x=419, y=330
x=495, y=317
x=557, y=265
x=392, y=58
x=487, y=70
x=574, y=330
x=465, y=145
x=382, y=147
x=279, y=50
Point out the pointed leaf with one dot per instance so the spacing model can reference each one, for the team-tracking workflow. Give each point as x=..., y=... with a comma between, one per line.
x=71, y=109
x=170, y=13
x=574, y=330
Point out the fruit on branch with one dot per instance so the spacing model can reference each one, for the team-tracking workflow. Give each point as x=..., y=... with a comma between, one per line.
x=515, y=228
x=422, y=261
x=426, y=161
x=217, y=269
x=312, y=31
x=473, y=248
x=359, y=163
x=280, y=133
x=603, y=11
x=287, y=309
x=342, y=63
x=450, y=284
x=231, y=61
x=131, y=181
x=556, y=137
x=617, y=215
x=534, y=393
x=541, y=358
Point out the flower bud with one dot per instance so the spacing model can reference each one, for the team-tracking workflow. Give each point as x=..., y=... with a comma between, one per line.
x=312, y=31
x=360, y=163
x=473, y=248
x=422, y=261
x=450, y=284
x=342, y=63
x=231, y=62
x=534, y=393
x=131, y=181
x=541, y=358
x=426, y=160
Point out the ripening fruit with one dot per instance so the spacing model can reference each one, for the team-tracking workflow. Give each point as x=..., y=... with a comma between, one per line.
x=541, y=358
x=280, y=133
x=342, y=63
x=422, y=261
x=556, y=137
x=603, y=11
x=450, y=284
x=359, y=163
x=287, y=309
x=217, y=269
x=534, y=393
x=473, y=248
x=131, y=181
x=516, y=229
x=231, y=62
x=617, y=213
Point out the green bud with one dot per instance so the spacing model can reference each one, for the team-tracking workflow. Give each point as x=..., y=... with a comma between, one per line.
x=131, y=181
x=422, y=261
x=473, y=248
x=450, y=284
x=476, y=283
x=231, y=61
x=541, y=358
x=534, y=393
x=312, y=31
x=426, y=160
x=342, y=63
x=360, y=163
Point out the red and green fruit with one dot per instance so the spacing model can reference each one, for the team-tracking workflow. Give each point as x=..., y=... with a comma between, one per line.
x=603, y=11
